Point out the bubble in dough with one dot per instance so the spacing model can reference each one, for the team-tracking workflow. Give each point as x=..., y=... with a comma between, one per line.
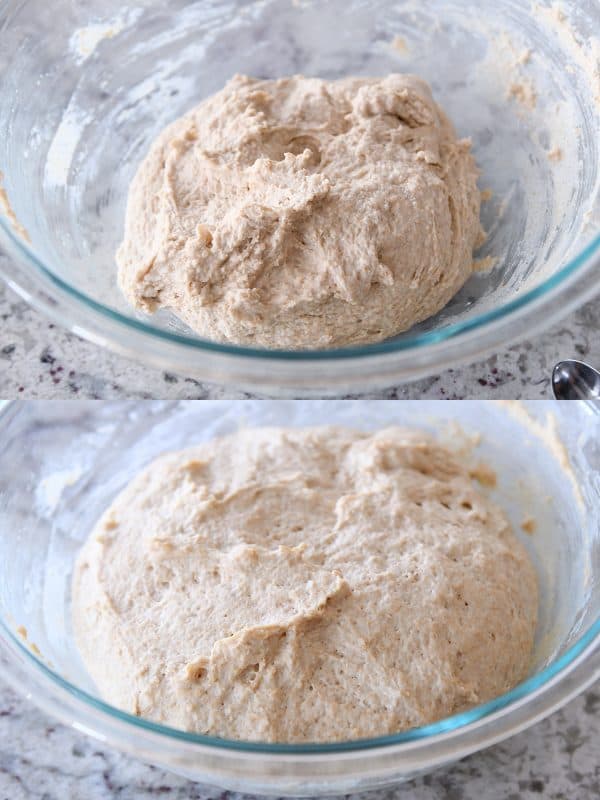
x=303, y=213
x=313, y=584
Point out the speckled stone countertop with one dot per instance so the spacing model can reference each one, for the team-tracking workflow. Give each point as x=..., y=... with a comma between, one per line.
x=39, y=359
x=556, y=759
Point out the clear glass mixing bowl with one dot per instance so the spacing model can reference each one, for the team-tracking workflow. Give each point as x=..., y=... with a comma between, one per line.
x=61, y=464
x=85, y=87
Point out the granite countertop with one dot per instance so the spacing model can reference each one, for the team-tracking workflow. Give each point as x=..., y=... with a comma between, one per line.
x=556, y=759
x=39, y=359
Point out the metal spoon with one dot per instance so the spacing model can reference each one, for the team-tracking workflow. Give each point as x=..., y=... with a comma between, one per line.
x=574, y=380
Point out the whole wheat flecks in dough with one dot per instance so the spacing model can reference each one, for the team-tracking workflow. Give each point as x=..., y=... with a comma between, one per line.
x=303, y=213
x=310, y=584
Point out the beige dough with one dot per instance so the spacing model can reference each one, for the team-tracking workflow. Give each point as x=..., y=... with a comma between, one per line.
x=304, y=585
x=302, y=213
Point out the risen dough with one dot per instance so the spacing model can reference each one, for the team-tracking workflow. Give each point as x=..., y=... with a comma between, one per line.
x=304, y=584
x=302, y=213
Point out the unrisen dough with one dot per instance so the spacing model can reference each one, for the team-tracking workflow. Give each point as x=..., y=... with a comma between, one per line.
x=302, y=213
x=304, y=585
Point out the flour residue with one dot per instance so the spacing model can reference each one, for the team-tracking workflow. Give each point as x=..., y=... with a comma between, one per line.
x=50, y=489
x=22, y=633
x=400, y=44
x=7, y=209
x=585, y=52
x=556, y=154
x=85, y=40
x=529, y=524
x=485, y=264
x=523, y=91
x=548, y=434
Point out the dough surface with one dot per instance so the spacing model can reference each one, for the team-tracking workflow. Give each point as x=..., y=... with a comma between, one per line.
x=312, y=584
x=303, y=213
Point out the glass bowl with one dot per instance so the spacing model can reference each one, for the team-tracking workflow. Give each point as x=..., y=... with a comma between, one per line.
x=61, y=465
x=85, y=88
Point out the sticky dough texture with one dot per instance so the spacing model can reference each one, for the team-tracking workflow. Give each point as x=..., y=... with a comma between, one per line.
x=303, y=213
x=291, y=585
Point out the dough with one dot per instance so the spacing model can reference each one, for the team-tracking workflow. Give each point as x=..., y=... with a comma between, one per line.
x=310, y=584
x=303, y=213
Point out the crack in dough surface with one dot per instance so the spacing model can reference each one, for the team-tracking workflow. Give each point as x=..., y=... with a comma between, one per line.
x=303, y=213
x=313, y=584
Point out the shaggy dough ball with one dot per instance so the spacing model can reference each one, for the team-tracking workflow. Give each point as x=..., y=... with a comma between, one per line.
x=316, y=584
x=303, y=213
